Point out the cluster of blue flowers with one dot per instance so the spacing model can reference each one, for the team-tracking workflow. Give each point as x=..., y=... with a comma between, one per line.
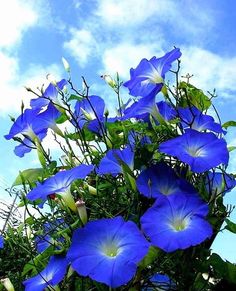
x=109, y=249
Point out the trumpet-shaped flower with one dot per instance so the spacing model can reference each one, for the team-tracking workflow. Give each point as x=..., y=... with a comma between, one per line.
x=161, y=179
x=113, y=161
x=27, y=145
x=52, y=275
x=24, y=124
x=90, y=111
x=50, y=94
x=143, y=107
x=107, y=250
x=149, y=75
x=60, y=184
x=195, y=119
x=201, y=151
x=176, y=222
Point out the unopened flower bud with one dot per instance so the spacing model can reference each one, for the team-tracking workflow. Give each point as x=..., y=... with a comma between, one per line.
x=7, y=284
x=108, y=79
x=65, y=64
x=80, y=204
x=92, y=190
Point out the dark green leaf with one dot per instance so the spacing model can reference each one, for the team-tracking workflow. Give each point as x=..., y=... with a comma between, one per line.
x=62, y=118
x=231, y=226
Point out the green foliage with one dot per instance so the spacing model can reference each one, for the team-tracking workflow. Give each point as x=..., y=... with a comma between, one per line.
x=231, y=226
x=192, y=96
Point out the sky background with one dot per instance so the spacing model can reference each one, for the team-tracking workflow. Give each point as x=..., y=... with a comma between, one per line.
x=103, y=37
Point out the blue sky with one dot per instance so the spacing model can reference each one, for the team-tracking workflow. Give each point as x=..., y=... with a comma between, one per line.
x=105, y=36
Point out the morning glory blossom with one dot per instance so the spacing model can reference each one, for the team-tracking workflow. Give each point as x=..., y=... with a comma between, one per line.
x=52, y=275
x=90, y=111
x=219, y=183
x=108, y=250
x=24, y=124
x=60, y=184
x=1, y=242
x=161, y=179
x=112, y=162
x=143, y=107
x=200, y=150
x=195, y=119
x=50, y=93
x=176, y=222
x=149, y=75
x=27, y=144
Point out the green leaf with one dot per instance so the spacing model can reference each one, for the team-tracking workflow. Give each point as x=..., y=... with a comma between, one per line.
x=194, y=96
x=231, y=226
x=223, y=269
x=231, y=148
x=28, y=176
x=62, y=118
x=229, y=123
x=150, y=257
x=74, y=97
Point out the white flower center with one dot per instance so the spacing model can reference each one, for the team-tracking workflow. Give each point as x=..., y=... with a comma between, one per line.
x=110, y=249
x=179, y=223
x=195, y=151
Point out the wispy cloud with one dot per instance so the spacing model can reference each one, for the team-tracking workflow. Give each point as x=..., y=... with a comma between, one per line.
x=125, y=55
x=81, y=45
x=13, y=92
x=15, y=18
x=210, y=70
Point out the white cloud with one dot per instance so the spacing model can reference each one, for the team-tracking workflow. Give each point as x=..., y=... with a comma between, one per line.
x=210, y=70
x=15, y=17
x=131, y=12
x=12, y=82
x=126, y=55
x=81, y=45
x=165, y=12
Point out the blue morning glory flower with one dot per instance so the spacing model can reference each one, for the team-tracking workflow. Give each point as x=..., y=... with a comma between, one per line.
x=24, y=124
x=85, y=112
x=50, y=93
x=112, y=162
x=1, y=242
x=166, y=110
x=201, y=151
x=149, y=75
x=219, y=183
x=176, y=222
x=107, y=250
x=161, y=179
x=52, y=275
x=27, y=145
x=195, y=119
x=60, y=184
x=143, y=107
